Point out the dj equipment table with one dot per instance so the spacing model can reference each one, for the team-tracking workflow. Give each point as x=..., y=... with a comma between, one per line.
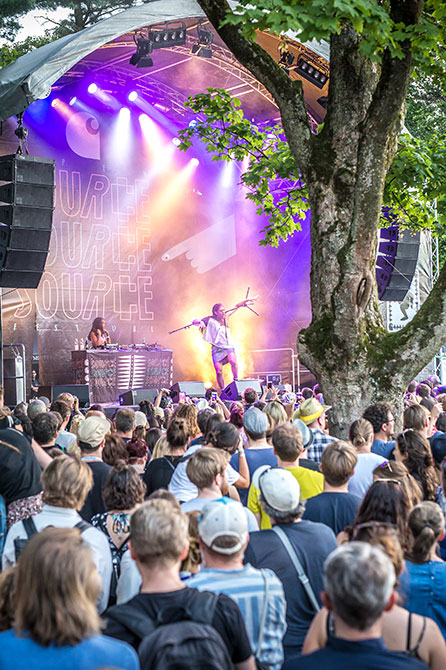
x=111, y=372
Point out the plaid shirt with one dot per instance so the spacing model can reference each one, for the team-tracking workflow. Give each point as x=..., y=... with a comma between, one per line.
x=319, y=443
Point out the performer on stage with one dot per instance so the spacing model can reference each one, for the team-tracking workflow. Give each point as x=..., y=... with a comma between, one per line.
x=98, y=334
x=216, y=331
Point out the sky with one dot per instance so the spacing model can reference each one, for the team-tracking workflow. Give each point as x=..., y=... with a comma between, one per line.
x=33, y=24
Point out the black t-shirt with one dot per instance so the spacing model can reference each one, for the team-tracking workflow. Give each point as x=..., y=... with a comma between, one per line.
x=159, y=473
x=19, y=468
x=94, y=503
x=227, y=619
x=336, y=510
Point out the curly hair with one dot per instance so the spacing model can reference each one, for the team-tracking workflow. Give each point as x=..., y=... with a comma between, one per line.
x=189, y=413
x=377, y=414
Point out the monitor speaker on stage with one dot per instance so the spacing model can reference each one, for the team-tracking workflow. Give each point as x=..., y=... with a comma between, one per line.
x=135, y=396
x=192, y=389
x=26, y=218
x=81, y=391
x=235, y=389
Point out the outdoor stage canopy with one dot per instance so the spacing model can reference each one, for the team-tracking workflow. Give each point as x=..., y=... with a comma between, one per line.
x=145, y=235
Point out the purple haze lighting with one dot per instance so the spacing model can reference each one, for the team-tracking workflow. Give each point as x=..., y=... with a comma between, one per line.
x=72, y=101
x=92, y=89
x=132, y=96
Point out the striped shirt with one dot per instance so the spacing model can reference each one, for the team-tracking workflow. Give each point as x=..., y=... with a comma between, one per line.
x=247, y=587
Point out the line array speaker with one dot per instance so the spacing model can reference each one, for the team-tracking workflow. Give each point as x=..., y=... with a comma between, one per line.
x=26, y=218
x=396, y=262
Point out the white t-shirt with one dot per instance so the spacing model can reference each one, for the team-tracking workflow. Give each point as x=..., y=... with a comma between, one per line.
x=180, y=484
x=363, y=476
x=218, y=334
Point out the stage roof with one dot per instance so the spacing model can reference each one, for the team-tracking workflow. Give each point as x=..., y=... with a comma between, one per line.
x=109, y=43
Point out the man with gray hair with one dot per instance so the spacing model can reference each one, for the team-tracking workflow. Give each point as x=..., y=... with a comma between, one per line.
x=290, y=538
x=359, y=580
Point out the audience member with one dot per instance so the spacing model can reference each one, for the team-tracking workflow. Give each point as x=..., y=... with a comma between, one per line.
x=45, y=430
x=34, y=408
x=123, y=492
x=114, y=450
x=66, y=482
x=413, y=450
x=159, y=542
x=404, y=632
x=91, y=440
x=223, y=534
x=311, y=542
x=307, y=441
x=424, y=584
x=396, y=470
x=335, y=506
x=312, y=413
x=287, y=443
x=359, y=581
x=138, y=454
x=56, y=623
x=152, y=437
x=125, y=422
x=160, y=470
x=249, y=397
x=207, y=469
x=64, y=439
x=257, y=452
x=380, y=415
x=361, y=436
x=189, y=413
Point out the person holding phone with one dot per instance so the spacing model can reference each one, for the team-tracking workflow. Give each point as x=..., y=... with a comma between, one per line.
x=99, y=335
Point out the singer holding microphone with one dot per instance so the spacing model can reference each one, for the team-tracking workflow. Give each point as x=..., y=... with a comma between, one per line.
x=99, y=335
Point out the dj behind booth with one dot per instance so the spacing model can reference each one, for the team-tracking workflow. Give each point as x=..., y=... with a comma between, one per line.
x=112, y=369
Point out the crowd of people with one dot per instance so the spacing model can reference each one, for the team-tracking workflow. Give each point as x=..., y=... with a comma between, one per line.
x=216, y=535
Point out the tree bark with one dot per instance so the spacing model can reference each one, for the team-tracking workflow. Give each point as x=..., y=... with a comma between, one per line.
x=346, y=346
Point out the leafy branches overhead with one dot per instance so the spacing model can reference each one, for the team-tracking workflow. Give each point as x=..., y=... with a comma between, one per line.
x=378, y=28
x=272, y=178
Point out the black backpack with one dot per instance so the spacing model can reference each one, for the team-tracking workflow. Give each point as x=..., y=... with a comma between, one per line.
x=30, y=527
x=180, y=638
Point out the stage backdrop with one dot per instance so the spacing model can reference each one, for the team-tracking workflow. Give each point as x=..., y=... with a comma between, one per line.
x=150, y=238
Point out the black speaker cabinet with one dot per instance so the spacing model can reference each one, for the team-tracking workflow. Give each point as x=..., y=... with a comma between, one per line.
x=192, y=389
x=135, y=396
x=81, y=391
x=235, y=389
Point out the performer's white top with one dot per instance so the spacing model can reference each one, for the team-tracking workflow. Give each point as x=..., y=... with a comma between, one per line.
x=218, y=335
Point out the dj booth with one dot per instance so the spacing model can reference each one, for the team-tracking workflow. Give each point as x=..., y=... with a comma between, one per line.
x=110, y=372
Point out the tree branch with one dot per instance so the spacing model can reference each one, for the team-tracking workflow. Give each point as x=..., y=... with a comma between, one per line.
x=287, y=94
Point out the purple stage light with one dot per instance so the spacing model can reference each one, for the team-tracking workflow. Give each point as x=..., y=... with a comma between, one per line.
x=72, y=101
x=193, y=123
x=176, y=141
x=132, y=96
x=124, y=112
x=194, y=162
x=92, y=89
x=55, y=102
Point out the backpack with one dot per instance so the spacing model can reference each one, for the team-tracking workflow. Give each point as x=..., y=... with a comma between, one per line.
x=30, y=527
x=179, y=638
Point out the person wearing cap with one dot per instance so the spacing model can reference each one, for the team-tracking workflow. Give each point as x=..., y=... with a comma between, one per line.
x=35, y=407
x=288, y=446
x=335, y=506
x=280, y=497
x=257, y=452
x=159, y=542
x=91, y=439
x=312, y=413
x=307, y=441
x=223, y=536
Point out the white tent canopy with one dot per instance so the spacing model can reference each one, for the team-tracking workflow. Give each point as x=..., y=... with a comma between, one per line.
x=30, y=77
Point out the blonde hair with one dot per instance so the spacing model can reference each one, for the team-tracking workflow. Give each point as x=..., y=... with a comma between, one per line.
x=159, y=532
x=205, y=464
x=415, y=417
x=338, y=462
x=56, y=589
x=161, y=447
x=397, y=470
x=360, y=433
x=276, y=412
x=193, y=559
x=66, y=482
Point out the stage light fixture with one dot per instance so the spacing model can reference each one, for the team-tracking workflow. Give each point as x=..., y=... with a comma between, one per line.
x=323, y=101
x=205, y=39
x=55, y=102
x=309, y=72
x=194, y=162
x=142, y=57
x=193, y=123
x=72, y=101
x=132, y=96
x=93, y=88
x=167, y=35
x=176, y=141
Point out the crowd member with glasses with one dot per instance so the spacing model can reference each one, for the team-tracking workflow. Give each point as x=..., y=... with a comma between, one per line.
x=405, y=632
x=386, y=501
x=413, y=450
x=380, y=415
x=424, y=584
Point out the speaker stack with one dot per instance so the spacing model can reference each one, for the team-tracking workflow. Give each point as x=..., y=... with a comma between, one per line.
x=192, y=389
x=135, y=396
x=235, y=389
x=26, y=218
x=396, y=262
